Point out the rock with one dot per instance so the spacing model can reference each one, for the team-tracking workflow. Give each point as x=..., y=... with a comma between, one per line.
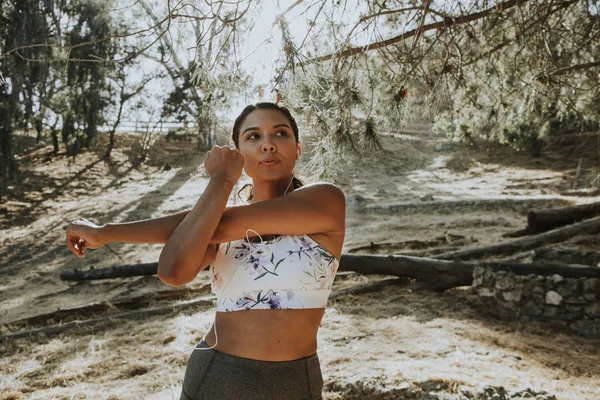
x=488, y=278
x=527, y=289
x=167, y=167
x=550, y=311
x=591, y=291
x=557, y=278
x=486, y=292
x=504, y=282
x=567, y=287
x=531, y=309
x=494, y=393
x=514, y=295
x=539, y=298
x=553, y=298
x=430, y=386
x=593, y=310
x=477, y=281
x=586, y=328
x=538, y=290
x=531, y=394
x=549, y=283
x=478, y=271
x=427, y=197
x=572, y=312
x=578, y=300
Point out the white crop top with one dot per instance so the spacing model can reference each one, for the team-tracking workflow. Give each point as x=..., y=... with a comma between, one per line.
x=289, y=271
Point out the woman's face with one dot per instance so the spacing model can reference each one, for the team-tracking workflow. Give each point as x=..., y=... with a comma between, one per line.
x=268, y=133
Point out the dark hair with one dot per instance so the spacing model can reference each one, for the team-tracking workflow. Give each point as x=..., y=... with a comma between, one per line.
x=235, y=135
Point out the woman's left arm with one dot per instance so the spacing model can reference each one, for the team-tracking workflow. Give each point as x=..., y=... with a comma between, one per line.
x=315, y=208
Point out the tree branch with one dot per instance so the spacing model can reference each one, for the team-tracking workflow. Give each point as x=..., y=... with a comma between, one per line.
x=576, y=67
x=449, y=21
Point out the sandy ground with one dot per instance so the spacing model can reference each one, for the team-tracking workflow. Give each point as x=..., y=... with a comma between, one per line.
x=393, y=344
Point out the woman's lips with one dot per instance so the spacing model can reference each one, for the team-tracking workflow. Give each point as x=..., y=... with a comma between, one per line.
x=269, y=163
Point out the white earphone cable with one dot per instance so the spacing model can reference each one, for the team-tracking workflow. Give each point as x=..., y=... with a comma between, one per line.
x=250, y=254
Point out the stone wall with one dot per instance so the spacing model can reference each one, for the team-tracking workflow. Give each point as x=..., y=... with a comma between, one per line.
x=573, y=301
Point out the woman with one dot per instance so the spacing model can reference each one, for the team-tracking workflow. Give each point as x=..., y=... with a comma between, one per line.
x=271, y=290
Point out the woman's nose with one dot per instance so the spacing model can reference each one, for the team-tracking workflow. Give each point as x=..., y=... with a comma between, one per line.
x=268, y=147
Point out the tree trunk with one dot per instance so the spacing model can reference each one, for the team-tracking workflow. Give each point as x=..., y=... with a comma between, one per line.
x=203, y=134
x=54, y=136
x=544, y=220
x=368, y=287
x=566, y=256
x=8, y=164
x=111, y=140
x=67, y=132
x=39, y=127
x=122, y=271
x=527, y=243
x=436, y=274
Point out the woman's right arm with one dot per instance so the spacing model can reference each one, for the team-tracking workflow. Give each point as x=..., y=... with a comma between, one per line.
x=156, y=230
x=83, y=234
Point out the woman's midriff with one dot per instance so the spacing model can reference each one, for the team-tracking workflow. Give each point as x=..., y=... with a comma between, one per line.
x=267, y=335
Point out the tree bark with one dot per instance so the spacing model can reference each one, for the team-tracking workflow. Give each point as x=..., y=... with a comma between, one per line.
x=368, y=287
x=566, y=256
x=545, y=220
x=527, y=243
x=436, y=274
x=122, y=271
x=443, y=274
x=8, y=163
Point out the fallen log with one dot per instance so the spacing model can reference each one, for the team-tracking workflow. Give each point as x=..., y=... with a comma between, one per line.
x=526, y=243
x=442, y=274
x=368, y=287
x=55, y=329
x=446, y=274
x=410, y=245
x=566, y=256
x=428, y=252
x=122, y=271
x=544, y=220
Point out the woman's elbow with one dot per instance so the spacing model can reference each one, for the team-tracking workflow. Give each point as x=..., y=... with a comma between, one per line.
x=171, y=274
x=171, y=277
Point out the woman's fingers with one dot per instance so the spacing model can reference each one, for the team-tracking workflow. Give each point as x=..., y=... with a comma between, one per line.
x=71, y=242
x=75, y=243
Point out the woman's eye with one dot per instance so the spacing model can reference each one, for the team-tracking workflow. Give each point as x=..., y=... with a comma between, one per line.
x=284, y=133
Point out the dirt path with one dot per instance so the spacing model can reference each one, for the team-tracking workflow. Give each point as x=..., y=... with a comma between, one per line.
x=392, y=344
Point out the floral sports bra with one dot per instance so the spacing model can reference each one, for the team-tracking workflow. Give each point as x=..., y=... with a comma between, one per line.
x=289, y=271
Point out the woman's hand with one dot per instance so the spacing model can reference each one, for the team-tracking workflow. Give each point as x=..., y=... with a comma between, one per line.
x=224, y=163
x=82, y=234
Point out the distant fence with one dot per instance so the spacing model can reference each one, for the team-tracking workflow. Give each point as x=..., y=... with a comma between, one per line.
x=165, y=126
x=143, y=126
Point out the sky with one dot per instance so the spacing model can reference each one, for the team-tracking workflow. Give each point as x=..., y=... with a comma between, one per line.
x=260, y=51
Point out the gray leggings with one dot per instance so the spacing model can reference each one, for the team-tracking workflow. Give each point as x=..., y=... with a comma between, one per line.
x=211, y=374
